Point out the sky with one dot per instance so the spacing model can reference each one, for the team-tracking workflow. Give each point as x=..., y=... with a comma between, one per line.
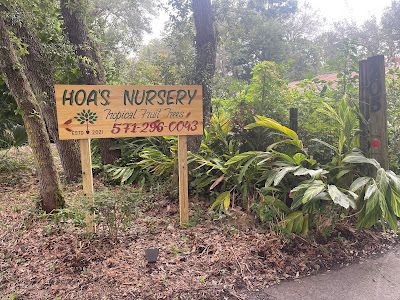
x=355, y=10
x=332, y=10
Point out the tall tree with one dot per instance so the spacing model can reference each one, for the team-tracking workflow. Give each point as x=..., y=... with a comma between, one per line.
x=249, y=35
x=41, y=76
x=116, y=25
x=205, y=56
x=274, y=8
x=301, y=29
x=17, y=82
x=91, y=65
x=391, y=28
x=205, y=44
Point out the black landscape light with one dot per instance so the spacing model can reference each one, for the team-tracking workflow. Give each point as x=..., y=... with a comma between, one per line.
x=151, y=255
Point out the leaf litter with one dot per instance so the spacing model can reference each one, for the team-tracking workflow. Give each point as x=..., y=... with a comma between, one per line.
x=223, y=259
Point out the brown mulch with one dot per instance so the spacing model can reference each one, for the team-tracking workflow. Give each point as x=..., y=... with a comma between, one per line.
x=225, y=259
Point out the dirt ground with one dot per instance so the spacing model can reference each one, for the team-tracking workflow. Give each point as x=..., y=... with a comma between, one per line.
x=42, y=257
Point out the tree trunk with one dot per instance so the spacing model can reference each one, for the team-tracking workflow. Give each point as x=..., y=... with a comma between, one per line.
x=90, y=61
x=41, y=77
x=17, y=82
x=205, y=44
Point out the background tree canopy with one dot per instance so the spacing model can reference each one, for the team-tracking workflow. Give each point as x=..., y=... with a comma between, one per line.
x=255, y=59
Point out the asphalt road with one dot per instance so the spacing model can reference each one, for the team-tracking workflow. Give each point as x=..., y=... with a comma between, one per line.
x=369, y=279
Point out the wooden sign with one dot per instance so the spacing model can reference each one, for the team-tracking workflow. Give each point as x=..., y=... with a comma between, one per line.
x=104, y=111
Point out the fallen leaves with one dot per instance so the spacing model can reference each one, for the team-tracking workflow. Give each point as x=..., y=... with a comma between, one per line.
x=206, y=261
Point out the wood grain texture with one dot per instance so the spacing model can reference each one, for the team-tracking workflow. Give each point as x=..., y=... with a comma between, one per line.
x=183, y=180
x=377, y=110
x=87, y=180
x=103, y=111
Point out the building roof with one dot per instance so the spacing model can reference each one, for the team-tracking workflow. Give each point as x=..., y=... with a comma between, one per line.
x=323, y=79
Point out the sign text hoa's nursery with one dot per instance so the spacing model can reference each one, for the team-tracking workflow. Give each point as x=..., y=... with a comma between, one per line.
x=105, y=111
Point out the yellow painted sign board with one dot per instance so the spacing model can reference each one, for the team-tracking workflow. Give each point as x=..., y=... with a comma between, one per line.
x=106, y=111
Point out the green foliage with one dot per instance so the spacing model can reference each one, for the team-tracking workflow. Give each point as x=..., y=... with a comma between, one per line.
x=248, y=36
x=393, y=96
x=290, y=136
x=346, y=64
x=345, y=125
x=131, y=173
x=264, y=95
x=287, y=190
x=219, y=169
x=10, y=166
x=115, y=25
x=11, y=297
x=379, y=197
x=143, y=160
x=12, y=132
x=74, y=215
x=310, y=191
x=114, y=212
x=266, y=90
x=155, y=64
x=295, y=222
x=274, y=9
x=240, y=176
x=16, y=137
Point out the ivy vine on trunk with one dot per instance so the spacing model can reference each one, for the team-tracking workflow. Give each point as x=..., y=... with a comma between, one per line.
x=17, y=82
x=90, y=61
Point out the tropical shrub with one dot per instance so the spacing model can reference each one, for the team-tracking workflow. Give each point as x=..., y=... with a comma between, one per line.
x=266, y=94
x=12, y=132
x=144, y=160
x=393, y=96
x=378, y=197
x=287, y=188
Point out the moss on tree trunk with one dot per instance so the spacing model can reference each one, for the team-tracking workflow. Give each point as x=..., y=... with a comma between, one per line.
x=41, y=76
x=17, y=82
x=90, y=61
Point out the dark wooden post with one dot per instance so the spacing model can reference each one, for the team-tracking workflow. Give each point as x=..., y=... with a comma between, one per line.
x=293, y=118
x=364, y=107
x=373, y=106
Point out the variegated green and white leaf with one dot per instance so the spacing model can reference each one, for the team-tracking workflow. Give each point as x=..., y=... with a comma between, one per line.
x=388, y=214
x=382, y=181
x=371, y=189
x=304, y=186
x=326, y=145
x=394, y=199
x=313, y=173
x=282, y=174
x=221, y=200
x=340, y=198
x=242, y=156
x=373, y=201
x=358, y=158
x=359, y=183
x=394, y=181
x=298, y=158
x=271, y=177
x=313, y=191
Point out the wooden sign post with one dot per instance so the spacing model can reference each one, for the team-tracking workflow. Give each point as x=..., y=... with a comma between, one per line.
x=183, y=180
x=87, y=180
x=373, y=107
x=104, y=111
